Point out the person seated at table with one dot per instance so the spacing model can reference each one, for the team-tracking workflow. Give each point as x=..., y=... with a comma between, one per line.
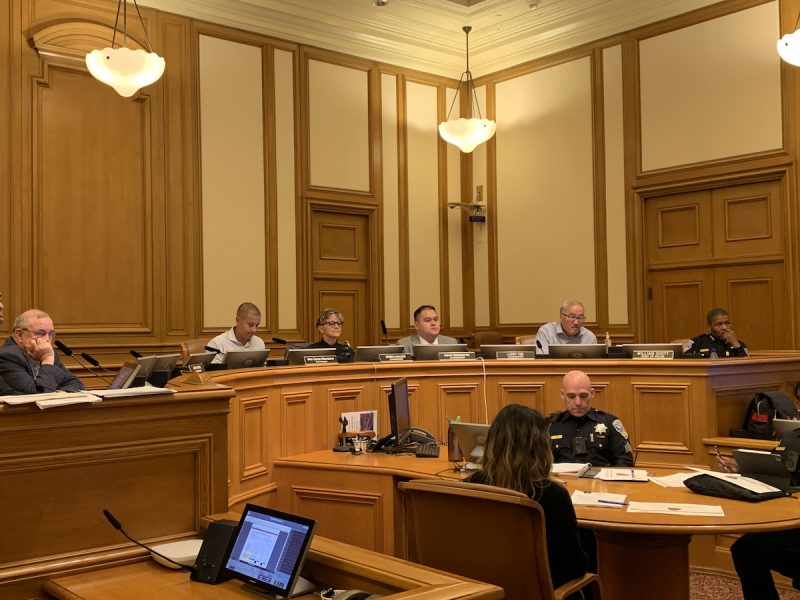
x=242, y=336
x=756, y=555
x=721, y=339
x=330, y=322
x=28, y=363
x=568, y=329
x=582, y=434
x=426, y=322
x=517, y=457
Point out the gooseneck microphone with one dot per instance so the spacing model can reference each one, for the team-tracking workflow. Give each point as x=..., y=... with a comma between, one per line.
x=94, y=362
x=67, y=351
x=211, y=349
x=118, y=526
x=539, y=346
x=385, y=332
x=278, y=340
x=135, y=354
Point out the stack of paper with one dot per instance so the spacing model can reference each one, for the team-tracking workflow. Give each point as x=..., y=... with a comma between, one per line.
x=688, y=510
x=617, y=474
x=576, y=469
x=132, y=391
x=598, y=499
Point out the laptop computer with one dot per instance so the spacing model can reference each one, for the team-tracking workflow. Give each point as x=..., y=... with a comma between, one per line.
x=268, y=551
x=784, y=426
x=766, y=467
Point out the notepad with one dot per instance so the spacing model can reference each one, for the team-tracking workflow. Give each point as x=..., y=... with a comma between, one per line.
x=598, y=499
x=576, y=469
x=615, y=474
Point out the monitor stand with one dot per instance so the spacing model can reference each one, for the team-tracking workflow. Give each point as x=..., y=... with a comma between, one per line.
x=301, y=586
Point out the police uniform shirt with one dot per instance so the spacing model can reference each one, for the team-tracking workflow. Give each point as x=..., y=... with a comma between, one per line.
x=703, y=344
x=597, y=438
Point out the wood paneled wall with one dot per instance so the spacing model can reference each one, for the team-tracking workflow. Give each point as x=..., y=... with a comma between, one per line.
x=120, y=215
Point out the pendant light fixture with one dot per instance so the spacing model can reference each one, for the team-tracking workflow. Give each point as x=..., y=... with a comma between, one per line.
x=122, y=68
x=789, y=46
x=467, y=133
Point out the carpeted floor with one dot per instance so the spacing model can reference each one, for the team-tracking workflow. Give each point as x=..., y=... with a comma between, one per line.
x=713, y=587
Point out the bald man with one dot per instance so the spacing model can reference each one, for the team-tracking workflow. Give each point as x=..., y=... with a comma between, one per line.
x=242, y=336
x=582, y=434
x=28, y=363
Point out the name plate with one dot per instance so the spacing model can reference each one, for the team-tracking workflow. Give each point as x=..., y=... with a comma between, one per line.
x=393, y=356
x=515, y=354
x=319, y=360
x=456, y=355
x=651, y=354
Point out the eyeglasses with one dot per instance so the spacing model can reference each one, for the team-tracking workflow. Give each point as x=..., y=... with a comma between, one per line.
x=334, y=323
x=40, y=333
x=578, y=318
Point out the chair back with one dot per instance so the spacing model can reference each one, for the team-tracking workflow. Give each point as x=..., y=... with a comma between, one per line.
x=487, y=337
x=526, y=339
x=483, y=532
x=195, y=346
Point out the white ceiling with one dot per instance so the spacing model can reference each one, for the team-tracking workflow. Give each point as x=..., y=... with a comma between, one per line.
x=427, y=35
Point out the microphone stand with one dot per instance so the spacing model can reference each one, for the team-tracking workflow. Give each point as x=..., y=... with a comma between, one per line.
x=343, y=447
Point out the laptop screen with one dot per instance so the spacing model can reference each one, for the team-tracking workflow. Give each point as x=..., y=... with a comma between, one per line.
x=269, y=549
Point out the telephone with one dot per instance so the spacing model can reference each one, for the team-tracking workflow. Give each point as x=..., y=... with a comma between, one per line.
x=413, y=435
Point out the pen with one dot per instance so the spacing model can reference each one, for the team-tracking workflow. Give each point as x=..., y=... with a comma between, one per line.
x=613, y=502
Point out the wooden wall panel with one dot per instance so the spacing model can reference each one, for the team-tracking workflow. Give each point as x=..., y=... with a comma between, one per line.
x=678, y=228
x=662, y=417
x=748, y=219
x=92, y=157
x=527, y=394
x=253, y=442
x=296, y=415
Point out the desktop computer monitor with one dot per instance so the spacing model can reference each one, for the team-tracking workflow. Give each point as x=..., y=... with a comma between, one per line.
x=297, y=356
x=431, y=351
x=676, y=348
x=489, y=351
x=373, y=353
x=243, y=359
x=399, y=411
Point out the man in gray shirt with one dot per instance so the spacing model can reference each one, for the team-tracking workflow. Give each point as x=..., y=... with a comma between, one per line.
x=426, y=322
x=568, y=330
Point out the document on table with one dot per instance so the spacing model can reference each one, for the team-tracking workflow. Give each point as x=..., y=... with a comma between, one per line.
x=49, y=399
x=570, y=468
x=616, y=474
x=670, y=508
x=133, y=391
x=672, y=481
x=67, y=399
x=598, y=499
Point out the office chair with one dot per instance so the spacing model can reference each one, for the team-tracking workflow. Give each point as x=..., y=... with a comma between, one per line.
x=195, y=346
x=491, y=534
x=526, y=339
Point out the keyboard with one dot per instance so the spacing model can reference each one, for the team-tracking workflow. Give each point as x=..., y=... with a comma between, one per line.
x=429, y=450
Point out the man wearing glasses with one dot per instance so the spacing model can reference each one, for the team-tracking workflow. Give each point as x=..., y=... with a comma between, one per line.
x=28, y=363
x=568, y=330
x=242, y=336
x=426, y=322
x=329, y=324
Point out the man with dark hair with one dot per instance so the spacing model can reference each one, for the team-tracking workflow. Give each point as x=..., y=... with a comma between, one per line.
x=721, y=339
x=28, y=363
x=426, y=322
x=242, y=336
x=568, y=329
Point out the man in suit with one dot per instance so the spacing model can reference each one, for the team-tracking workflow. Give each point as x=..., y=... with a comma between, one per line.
x=4, y=387
x=426, y=322
x=28, y=363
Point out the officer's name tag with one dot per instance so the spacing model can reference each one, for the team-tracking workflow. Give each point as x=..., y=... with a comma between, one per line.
x=319, y=360
x=651, y=354
x=515, y=354
x=456, y=355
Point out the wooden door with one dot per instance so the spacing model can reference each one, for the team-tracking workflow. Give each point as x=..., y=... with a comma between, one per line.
x=717, y=248
x=340, y=264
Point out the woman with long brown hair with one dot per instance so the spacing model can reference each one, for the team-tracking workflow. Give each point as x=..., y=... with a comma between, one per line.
x=517, y=456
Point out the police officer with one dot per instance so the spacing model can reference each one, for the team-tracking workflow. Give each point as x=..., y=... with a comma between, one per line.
x=721, y=339
x=582, y=434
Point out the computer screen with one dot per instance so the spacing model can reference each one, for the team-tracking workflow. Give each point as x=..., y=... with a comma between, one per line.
x=431, y=351
x=201, y=358
x=471, y=439
x=399, y=411
x=577, y=350
x=269, y=549
x=146, y=364
x=166, y=362
x=125, y=376
x=373, y=353
x=242, y=359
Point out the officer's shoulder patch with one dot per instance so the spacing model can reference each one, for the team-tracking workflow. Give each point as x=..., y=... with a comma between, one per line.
x=620, y=428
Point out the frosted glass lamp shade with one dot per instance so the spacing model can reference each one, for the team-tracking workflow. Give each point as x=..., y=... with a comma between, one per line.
x=467, y=134
x=789, y=48
x=124, y=69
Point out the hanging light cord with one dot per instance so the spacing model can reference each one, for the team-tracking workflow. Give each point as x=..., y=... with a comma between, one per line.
x=470, y=85
x=125, y=24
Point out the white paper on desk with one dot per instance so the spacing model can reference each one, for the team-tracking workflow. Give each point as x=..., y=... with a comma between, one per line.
x=620, y=474
x=672, y=481
x=570, y=468
x=133, y=391
x=669, y=508
x=31, y=398
x=362, y=420
x=67, y=399
x=598, y=499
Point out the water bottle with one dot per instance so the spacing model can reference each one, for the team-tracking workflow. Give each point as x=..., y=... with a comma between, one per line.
x=713, y=354
x=453, y=451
